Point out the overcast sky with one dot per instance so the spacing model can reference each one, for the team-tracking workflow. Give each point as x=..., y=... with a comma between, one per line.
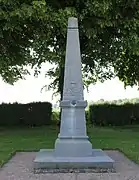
x=29, y=90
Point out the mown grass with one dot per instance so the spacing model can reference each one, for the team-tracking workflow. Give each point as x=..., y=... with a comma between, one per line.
x=32, y=139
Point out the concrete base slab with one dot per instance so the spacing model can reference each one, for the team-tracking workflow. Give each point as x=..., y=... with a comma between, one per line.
x=46, y=159
x=20, y=167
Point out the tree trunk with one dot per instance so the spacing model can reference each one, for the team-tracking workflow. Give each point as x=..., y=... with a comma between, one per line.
x=61, y=83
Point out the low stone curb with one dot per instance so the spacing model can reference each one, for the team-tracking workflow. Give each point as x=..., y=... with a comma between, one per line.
x=94, y=170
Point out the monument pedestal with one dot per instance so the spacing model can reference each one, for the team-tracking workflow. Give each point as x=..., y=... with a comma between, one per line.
x=72, y=140
x=73, y=147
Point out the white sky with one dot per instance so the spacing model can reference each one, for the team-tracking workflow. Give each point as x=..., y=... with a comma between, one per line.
x=29, y=90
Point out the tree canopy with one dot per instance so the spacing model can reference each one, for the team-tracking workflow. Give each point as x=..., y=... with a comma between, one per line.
x=109, y=38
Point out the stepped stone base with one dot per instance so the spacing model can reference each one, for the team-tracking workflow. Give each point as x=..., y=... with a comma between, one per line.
x=46, y=159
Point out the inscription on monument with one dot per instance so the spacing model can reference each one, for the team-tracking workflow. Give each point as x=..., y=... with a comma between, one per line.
x=73, y=90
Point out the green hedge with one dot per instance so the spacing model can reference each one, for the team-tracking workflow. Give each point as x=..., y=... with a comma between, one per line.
x=114, y=115
x=31, y=114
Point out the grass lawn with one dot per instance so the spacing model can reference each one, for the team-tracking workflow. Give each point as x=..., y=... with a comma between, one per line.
x=27, y=139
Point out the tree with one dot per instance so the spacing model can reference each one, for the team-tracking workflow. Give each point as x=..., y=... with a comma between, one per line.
x=110, y=29
x=109, y=38
x=25, y=25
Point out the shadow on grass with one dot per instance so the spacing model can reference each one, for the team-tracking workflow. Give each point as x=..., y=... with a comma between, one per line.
x=128, y=127
x=118, y=128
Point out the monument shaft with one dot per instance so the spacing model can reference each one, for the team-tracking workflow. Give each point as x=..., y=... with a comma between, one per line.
x=73, y=85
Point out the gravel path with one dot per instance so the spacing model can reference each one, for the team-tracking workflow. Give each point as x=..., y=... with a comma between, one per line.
x=20, y=168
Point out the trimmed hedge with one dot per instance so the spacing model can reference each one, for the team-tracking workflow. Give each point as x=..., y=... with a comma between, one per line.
x=114, y=115
x=31, y=114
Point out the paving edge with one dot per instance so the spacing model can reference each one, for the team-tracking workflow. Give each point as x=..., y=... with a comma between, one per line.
x=36, y=150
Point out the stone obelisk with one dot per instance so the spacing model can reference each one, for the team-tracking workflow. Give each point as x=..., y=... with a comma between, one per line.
x=72, y=147
x=72, y=138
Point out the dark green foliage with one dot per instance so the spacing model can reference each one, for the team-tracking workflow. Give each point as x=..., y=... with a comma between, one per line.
x=32, y=114
x=87, y=116
x=55, y=116
x=109, y=38
x=114, y=115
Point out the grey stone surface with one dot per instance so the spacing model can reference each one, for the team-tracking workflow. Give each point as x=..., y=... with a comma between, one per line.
x=73, y=140
x=73, y=85
x=72, y=147
x=46, y=160
x=19, y=167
